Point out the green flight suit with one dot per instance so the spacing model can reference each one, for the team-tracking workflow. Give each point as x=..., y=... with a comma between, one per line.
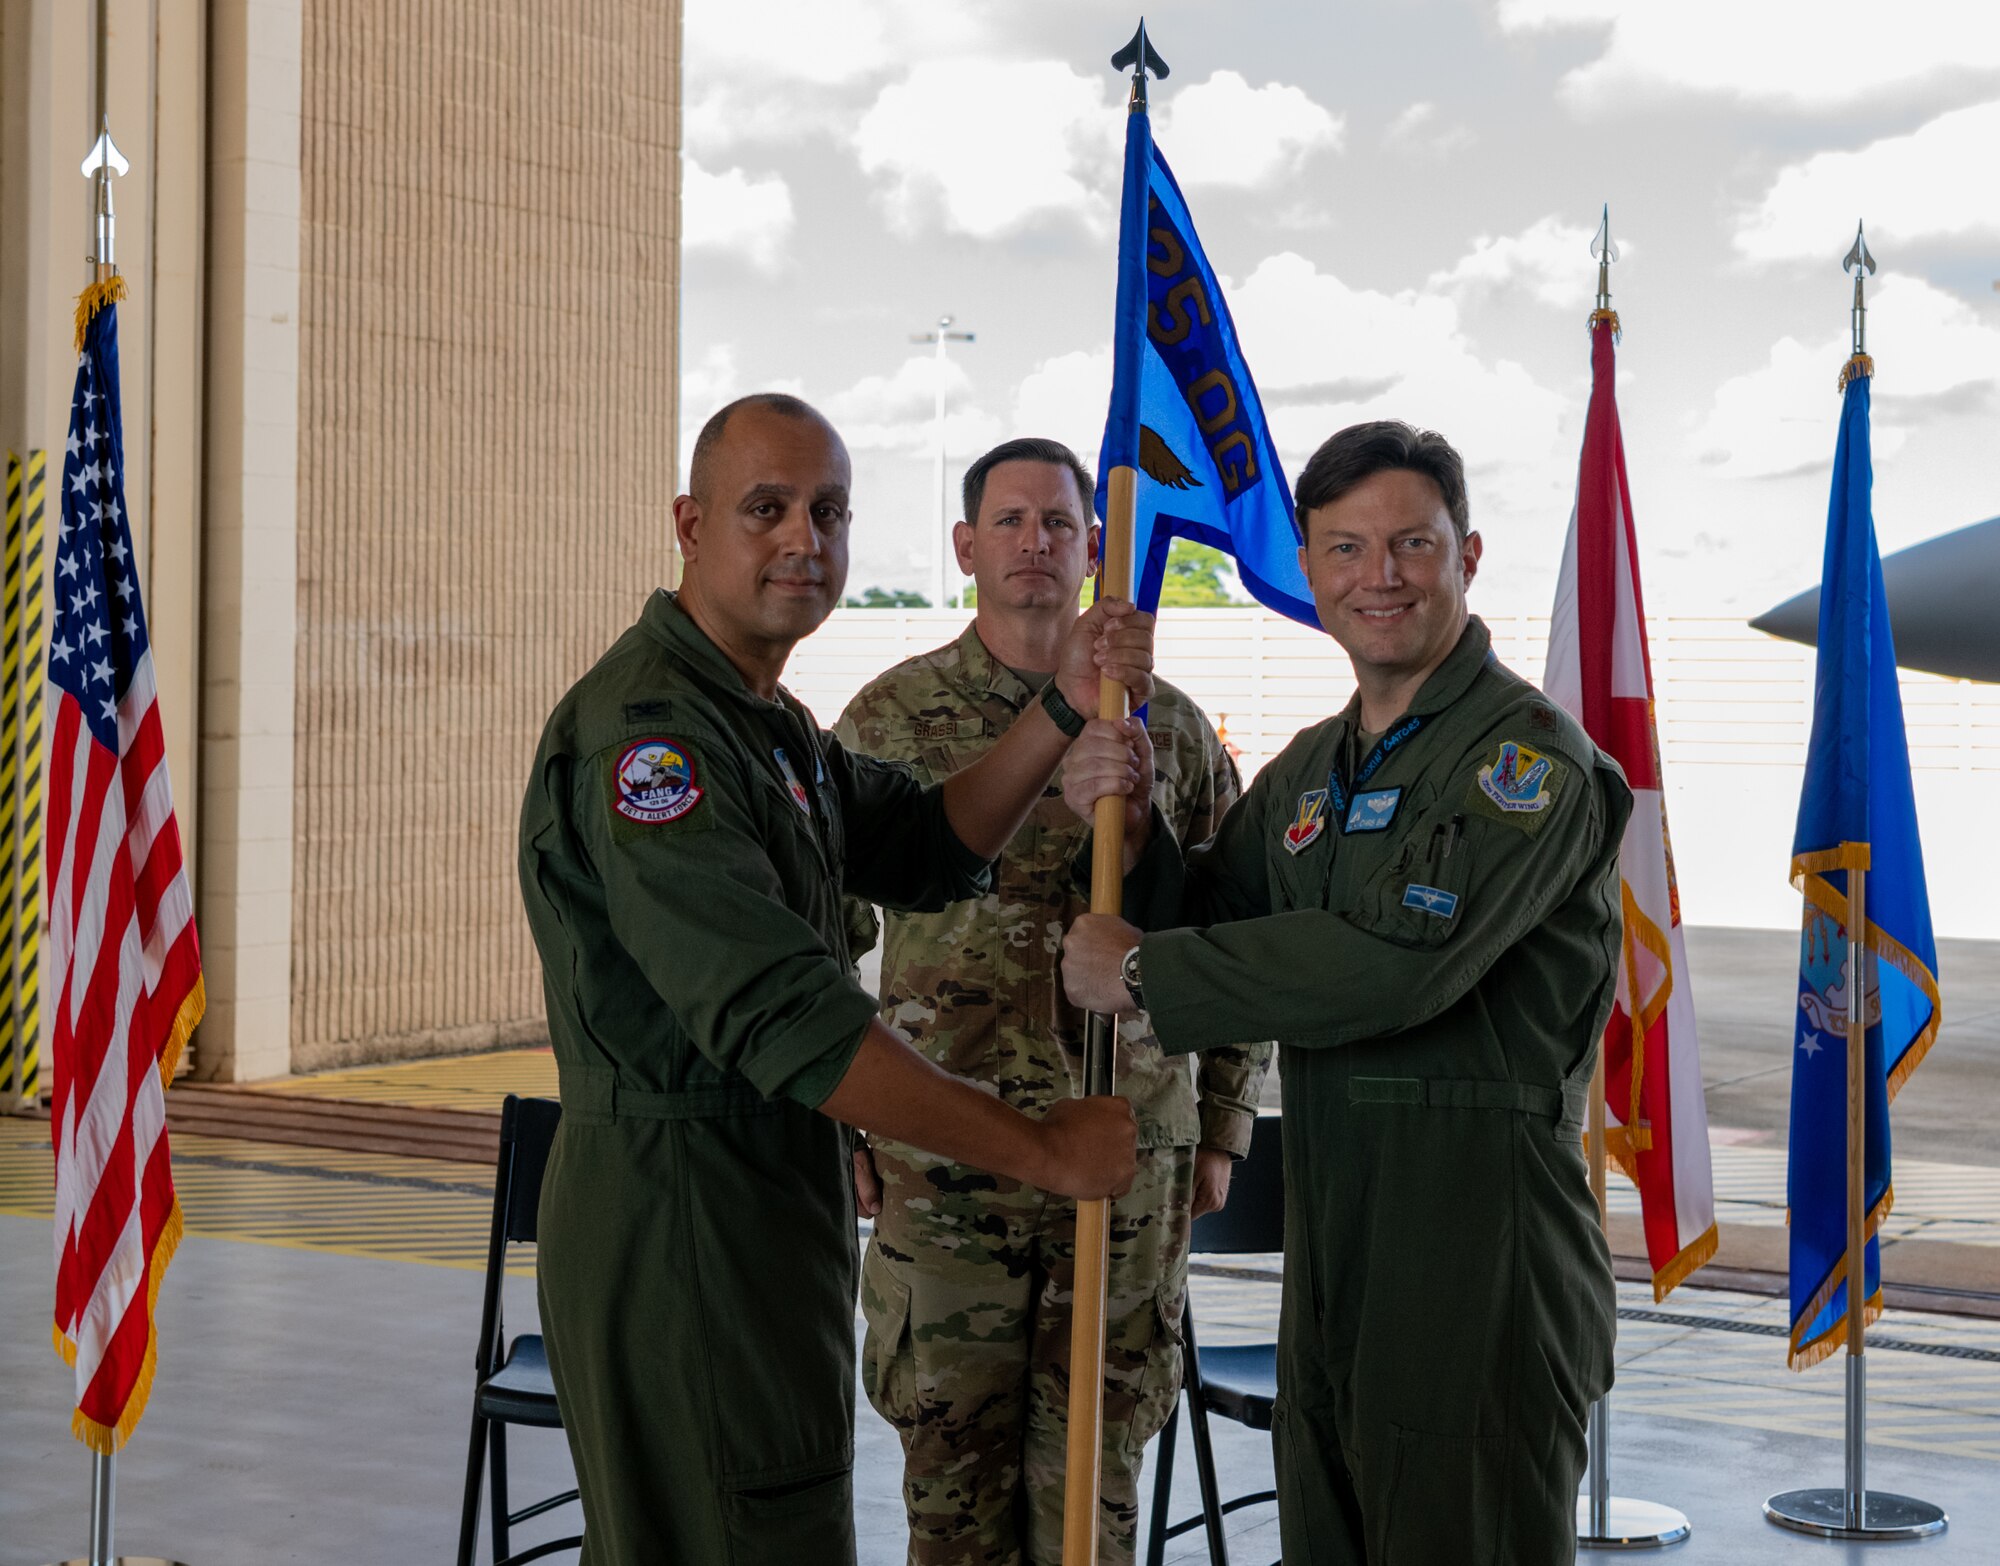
x=1431, y=933
x=684, y=849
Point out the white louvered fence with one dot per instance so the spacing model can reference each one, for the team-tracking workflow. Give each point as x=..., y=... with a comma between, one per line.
x=1734, y=707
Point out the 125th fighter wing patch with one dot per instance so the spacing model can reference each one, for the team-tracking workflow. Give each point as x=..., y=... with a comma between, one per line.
x=1517, y=786
x=653, y=781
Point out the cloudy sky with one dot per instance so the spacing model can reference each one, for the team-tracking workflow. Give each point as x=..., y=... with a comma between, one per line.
x=1399, y=195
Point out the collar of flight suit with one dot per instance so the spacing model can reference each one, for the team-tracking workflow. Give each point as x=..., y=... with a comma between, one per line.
x=1449, y=680
x=666, y=621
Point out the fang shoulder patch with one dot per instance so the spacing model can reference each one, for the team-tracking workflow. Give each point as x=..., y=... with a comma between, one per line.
x=653, y=781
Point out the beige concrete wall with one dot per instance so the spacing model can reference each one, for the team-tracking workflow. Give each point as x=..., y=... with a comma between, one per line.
x=486, y=454
x=251, y=430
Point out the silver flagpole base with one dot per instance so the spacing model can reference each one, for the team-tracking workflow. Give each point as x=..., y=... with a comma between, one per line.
x=1823, y=1513
x=127, y=1560
x=1630, y=1525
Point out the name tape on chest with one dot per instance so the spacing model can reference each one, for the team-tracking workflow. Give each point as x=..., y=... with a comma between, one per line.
x=1374, y=810
x=946, y=728
x=655, y=781
x=1308, y=823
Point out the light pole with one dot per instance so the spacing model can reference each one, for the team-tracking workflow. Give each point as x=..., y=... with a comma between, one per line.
x=940, y=541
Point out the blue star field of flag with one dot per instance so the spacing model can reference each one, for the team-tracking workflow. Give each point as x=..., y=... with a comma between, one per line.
x=99, y=634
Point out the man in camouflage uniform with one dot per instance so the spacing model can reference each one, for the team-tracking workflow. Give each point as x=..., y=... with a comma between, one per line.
x=967, y=1286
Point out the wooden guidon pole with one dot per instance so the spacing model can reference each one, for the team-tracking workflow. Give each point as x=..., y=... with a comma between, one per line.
x=1084, y=1477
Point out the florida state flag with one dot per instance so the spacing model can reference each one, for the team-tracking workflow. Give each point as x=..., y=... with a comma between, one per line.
x=1598, y=668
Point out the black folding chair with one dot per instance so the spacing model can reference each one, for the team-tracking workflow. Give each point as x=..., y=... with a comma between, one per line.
x=512, y=1385
x=1238, y=1382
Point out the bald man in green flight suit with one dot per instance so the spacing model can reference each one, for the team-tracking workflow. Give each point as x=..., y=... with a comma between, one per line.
x=1419, y=900
x=686, y=839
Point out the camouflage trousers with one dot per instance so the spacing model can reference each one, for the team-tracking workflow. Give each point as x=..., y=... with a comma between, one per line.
x=966, y=1289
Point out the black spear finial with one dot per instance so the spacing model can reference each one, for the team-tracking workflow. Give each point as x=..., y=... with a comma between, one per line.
x=1141, y=56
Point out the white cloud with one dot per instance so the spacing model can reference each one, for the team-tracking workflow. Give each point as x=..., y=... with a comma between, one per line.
x=988, y=147
x=1775, y=52
x=898, y=412
x=736, y=214
x=1325, y=354
x=1417, y=130
x=1551, y=260
x=1225, y=132
x=1065, y=399
x=1782, y=417
x=1935, y=183
x=825, y=42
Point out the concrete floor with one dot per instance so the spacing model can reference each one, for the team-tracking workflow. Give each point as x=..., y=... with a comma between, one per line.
x=1746, y=995
x=311, y=1408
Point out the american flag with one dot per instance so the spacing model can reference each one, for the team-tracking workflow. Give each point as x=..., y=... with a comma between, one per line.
x=124, y=964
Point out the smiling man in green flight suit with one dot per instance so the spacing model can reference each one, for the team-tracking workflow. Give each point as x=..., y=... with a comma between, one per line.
x=687, y=837
x=1419, y=900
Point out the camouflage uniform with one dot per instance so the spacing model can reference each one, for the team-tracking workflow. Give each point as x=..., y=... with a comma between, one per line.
x=966, y=1288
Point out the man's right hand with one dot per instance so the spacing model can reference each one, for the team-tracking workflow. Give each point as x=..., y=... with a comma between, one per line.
x=1090, y=1147
x=1113, y=758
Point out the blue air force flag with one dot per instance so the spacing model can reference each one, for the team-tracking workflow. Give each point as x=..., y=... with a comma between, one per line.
x=1856, y=811
x=1184, y=411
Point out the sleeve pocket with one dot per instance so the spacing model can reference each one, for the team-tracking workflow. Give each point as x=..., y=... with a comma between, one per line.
x=1420, y=899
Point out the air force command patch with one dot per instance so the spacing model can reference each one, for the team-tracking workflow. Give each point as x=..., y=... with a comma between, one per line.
x=1308, y=823
x=1372, y=812
x=655, y=781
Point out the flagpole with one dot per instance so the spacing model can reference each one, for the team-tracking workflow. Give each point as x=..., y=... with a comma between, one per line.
x=1857, y=1202
x=1851, y=1512
x=100, y=165
x=1084, y=1465
x=1605, y=1521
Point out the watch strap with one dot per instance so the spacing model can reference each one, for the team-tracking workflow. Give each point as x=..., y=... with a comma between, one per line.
x=1061, y=713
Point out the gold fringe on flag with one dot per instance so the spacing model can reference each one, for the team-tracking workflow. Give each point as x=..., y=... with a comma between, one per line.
x=93, y=299
x=1698, y=1253
x=107, y=1439
x=184, y=1023
x=1857, y=368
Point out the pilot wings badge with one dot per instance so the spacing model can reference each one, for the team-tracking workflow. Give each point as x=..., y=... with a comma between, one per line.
x=1308, y=823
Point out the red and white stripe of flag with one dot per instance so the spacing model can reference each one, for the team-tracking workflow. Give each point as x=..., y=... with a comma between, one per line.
x=1599, y=670
x=127, y=987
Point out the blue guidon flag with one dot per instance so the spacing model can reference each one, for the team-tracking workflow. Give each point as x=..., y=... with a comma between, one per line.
x=1857, y=811
x=1184, y=411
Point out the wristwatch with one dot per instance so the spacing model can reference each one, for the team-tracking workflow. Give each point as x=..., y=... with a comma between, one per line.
x=1128, y=970
x=1061, y=713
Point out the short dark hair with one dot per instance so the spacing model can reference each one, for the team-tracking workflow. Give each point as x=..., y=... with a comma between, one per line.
x=1387, y=445
x=784, y=404
x=1029, y=448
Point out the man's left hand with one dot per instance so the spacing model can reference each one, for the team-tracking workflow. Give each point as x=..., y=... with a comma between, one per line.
x=1211, y=1180
x=1110, y=640
x=1093, y=952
